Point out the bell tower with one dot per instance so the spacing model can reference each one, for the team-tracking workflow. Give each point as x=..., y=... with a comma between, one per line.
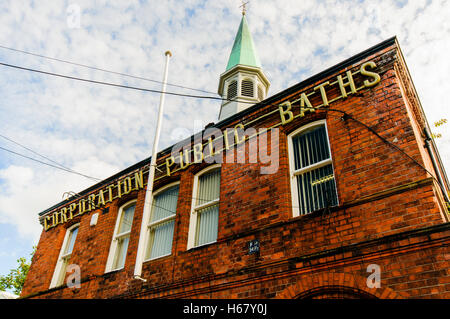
x=243, y=83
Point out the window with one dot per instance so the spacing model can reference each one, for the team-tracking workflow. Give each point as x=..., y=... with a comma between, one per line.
x=121, y=238
x=232, y=90
x=162, y=222
x=312, y=179
x=205, y=207
x=247, y=88
x=64, y=256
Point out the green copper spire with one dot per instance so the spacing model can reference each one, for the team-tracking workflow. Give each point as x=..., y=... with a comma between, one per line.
x=243, y=51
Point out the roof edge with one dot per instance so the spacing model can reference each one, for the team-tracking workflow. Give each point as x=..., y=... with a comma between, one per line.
x=270, y=100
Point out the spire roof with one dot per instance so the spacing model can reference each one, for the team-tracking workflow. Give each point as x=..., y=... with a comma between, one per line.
x=243, y=51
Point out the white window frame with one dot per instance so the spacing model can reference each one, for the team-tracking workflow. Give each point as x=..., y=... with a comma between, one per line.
x=116, y=237
x=58, y=268
x=152, y=224
x=294, y=173
x=193, y=216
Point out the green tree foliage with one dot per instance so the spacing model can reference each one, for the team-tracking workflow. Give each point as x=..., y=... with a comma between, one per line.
x=16, y=277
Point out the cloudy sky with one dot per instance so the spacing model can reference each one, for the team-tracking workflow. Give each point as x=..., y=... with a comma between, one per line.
x=98, y=130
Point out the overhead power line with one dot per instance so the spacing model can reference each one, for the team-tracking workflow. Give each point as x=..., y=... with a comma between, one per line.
x=105, y=70
x=117, y=85
x=346, y=115
x=34, y=152
x=48, y=164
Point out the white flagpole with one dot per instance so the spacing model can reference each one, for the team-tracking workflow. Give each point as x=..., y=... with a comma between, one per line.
x=151, y=176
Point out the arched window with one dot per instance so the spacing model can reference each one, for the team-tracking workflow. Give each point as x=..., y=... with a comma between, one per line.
x=232, y=90
x=64, y=256
x=247, y=88
x=312, y=178
x=121, y=237
x=162, y=222
x=204, y=219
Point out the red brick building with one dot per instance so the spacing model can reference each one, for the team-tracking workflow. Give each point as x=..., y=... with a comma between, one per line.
x=334, y=182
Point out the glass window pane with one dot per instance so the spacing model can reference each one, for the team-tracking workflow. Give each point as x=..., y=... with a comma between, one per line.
x=165, y=204
x=62, y=273
x=208, y=187
x=121, y=252
x=207, y=224
x=316, y=189
x=310, y=147
x=160, y=241
x=71, y=241
x=126, y=219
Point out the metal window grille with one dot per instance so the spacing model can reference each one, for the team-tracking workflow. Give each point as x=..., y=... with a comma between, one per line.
x=313, y=170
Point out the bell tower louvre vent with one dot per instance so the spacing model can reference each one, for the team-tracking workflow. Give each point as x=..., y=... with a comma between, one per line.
x=247, y=88
x=232, y=90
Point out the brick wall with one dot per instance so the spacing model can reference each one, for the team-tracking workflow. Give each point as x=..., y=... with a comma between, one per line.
x=389, y=214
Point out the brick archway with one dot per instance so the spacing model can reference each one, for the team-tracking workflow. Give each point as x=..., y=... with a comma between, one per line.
x=340, y=284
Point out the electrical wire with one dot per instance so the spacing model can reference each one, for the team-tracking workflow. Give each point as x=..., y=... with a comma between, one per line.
x=215, y=98
x=104, y=70
x=119, y=85
x=36, y=153
x=48, y=164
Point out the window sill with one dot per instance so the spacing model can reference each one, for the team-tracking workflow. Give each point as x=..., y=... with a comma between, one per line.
x=201, y=246
x=156, y=258
x=113, y=270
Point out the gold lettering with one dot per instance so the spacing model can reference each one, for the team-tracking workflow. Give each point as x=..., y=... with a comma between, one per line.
x=127, y=185
x=138, y=180
x=211, y=147
x=182, y=164
x=343, y=85
x=198, y=153
x=376, y=78
x=284, y=112
x=323, y=93
x=81, y=207
x=46, y=225
x=169, y=162
x=236, y=133
x=119, y=190
x=101, y=198
x=225, y=137
x=63, y=213
x=110, y=193
x=91, y=202
x=72, y=208
x=309, y=108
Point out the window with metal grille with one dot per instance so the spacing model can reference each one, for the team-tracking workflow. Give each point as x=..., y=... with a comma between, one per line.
x=205, y=208
x=312, y=178
x=162, y=223
x=232, y=90
x=247, y=88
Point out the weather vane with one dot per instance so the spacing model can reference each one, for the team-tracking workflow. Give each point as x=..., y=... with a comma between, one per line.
x=243, y=7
